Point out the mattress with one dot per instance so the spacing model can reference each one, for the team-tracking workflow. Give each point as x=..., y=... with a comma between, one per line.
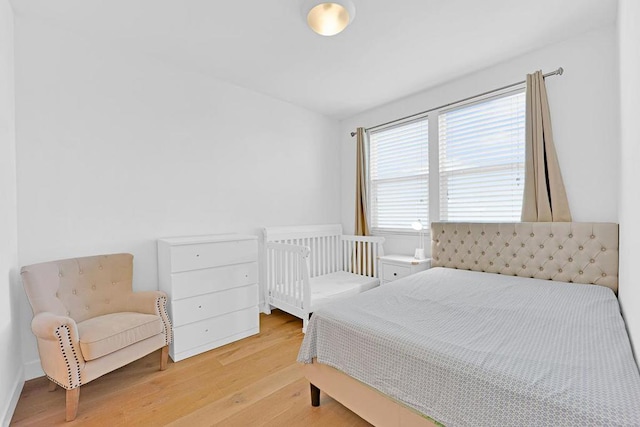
x=340, y=284
x=469, y=348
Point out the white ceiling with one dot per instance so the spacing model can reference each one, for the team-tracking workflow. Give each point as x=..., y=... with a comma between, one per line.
x=392, y=49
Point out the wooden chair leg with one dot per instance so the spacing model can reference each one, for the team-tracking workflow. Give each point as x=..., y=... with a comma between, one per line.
x=315, y=395
x=52, y=386
x=164, y=357
x=73, y=397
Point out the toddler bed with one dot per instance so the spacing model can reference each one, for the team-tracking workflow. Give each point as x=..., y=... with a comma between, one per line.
x=305, y=267
x=455, y=347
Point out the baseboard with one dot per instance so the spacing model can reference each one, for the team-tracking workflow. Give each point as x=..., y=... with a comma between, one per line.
x=33, y=370
x=10, y=407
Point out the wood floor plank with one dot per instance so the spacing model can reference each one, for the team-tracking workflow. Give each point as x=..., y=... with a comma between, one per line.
x=252, y=382
x=221, y=409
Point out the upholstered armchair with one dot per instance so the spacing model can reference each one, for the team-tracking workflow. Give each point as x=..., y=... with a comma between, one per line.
x=88, y=321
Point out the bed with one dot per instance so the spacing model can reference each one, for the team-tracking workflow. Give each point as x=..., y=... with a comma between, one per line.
x=506, y=329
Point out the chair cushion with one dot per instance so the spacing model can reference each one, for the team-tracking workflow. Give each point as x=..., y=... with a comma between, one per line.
x=102, y=335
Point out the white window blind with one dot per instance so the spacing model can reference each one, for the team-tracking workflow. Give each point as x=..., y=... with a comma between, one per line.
x=481, y=158
x=399, y=176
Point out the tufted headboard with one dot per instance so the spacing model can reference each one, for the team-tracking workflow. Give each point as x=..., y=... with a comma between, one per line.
x=579, y=252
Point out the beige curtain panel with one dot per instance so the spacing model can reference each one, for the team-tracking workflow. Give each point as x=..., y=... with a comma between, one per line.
x=362, y=227
x=545, y=199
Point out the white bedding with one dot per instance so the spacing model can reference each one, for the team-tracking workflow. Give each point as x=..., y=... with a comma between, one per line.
x=470, y=348
x=340, y=284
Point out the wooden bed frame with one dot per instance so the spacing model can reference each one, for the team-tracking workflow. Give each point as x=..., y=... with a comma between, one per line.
x=568, y=252
x=367, y=402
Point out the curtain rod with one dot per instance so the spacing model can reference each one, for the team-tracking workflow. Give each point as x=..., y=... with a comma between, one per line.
x=558, y=72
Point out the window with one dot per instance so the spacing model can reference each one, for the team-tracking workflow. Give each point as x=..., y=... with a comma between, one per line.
x=477, y=158
x=399, y=176
x=481, y=150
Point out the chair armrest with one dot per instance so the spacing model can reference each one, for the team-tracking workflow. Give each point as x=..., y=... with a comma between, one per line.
x=45, y=325
x=59, y=348
x=146, y=302
x=151, y=302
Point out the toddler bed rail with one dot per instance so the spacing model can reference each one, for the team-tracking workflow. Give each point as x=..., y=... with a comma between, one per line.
x=306, y=266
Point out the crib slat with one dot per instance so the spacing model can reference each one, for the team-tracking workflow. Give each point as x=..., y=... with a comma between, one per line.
x=278, y=254
x=286, y=277
x=268, y=273
x=293, y=279
x=368, y=253
x=302, y=294
x=274, y=284
x=274, y=273
x=339, y=255
x=346, y=255
x=289, y=278
x=294, y=284
x=375, y=259
x=283, y=275
x=333, y=253
x=365, y=258
x=294, y=267
x=321, y=254
x=271, y=272
x=352, y=259
x=314, y=257
x=325, y=250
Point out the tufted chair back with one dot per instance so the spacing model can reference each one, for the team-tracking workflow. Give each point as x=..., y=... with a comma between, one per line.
x=80, y=288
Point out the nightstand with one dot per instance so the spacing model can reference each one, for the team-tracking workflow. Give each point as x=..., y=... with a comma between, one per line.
x=393, y=267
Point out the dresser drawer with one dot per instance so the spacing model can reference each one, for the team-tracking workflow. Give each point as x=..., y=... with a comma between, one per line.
x=206, y=255
x=201, y=307
x=213, y=329
x=394, y=272
x=191, y=283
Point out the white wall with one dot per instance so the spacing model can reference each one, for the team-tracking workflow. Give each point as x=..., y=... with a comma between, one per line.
x=116, y=150
x=629, y=292
x=11, y=372
x=584, y=108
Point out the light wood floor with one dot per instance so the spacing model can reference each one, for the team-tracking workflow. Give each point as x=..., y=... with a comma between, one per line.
x=252, y=382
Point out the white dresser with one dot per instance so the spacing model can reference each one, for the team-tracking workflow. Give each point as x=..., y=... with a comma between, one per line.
x=212, y=284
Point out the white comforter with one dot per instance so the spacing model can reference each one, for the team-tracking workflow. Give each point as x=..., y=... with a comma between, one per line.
x=479, y=349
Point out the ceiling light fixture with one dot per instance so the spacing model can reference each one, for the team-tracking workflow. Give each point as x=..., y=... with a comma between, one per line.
x=328, y=18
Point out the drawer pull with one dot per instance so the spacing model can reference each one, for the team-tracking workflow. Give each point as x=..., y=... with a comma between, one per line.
x=206, y=330
x=197, y=255
x=395, y=274
x=199, y=306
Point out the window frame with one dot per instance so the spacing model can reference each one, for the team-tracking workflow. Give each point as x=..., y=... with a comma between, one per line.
x=433, y=159
x=377, y=231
